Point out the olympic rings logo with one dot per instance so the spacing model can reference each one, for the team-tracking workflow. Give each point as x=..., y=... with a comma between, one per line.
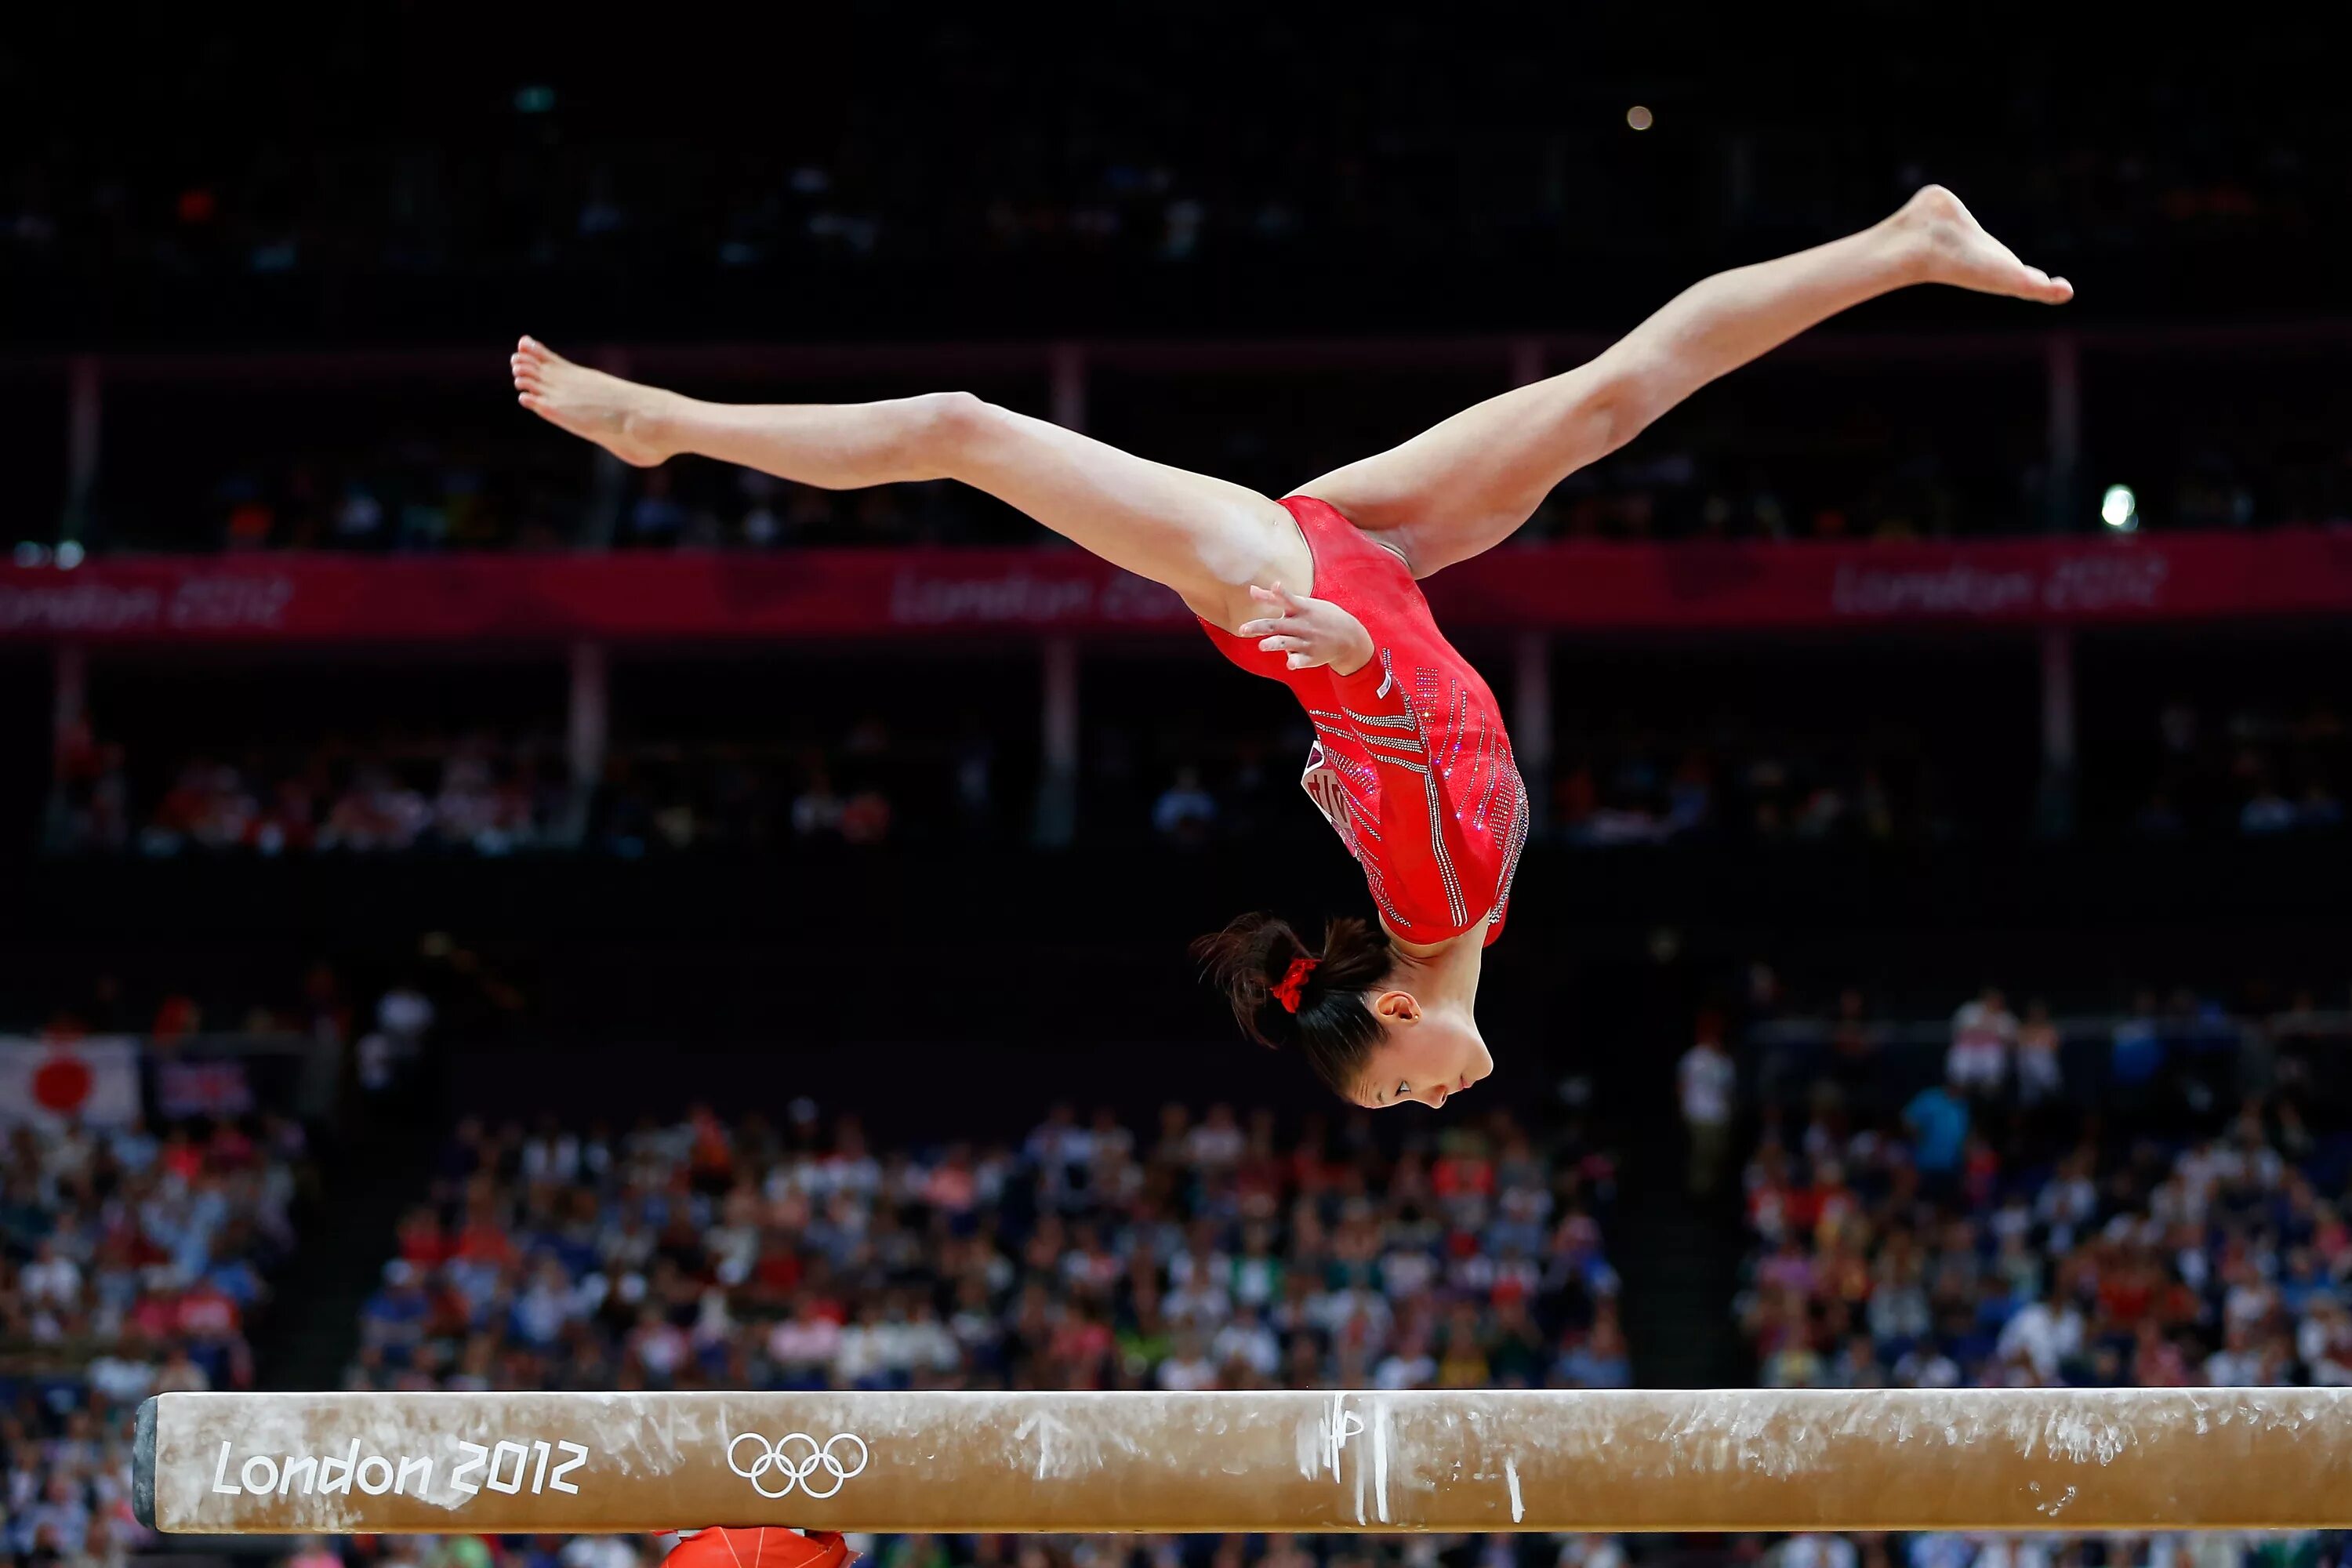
x=819, y=1472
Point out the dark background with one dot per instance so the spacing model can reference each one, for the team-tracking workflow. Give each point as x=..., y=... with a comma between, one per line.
x=423, y=168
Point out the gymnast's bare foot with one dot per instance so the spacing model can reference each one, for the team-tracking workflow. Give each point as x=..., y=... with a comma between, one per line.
x=1954, y=249
x=624, y=418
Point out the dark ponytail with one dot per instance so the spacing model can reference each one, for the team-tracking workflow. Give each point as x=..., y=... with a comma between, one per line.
x=1334, y=1027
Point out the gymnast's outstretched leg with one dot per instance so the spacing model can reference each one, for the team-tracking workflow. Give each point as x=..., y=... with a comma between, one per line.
x=1466, y=485
x=1205, y=538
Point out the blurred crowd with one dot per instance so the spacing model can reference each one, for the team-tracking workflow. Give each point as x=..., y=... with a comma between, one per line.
x=2155, y=1198
x=1040, y=187
x=485, y=793
x=1208, y=1251
x=489, y=793
x=1657, y=788
x=1874, y=459
x=523, y=488
x=1205, y=1252
x=1656, y=785
x=132, y=1261
x=2152, y=1198
x=478, y=793
x=1902, y=1259
x=172, y=1011
x=1069, y=144
x=1715, y=753
x=2261, y=771
x=1183, y=779
x=529, y=490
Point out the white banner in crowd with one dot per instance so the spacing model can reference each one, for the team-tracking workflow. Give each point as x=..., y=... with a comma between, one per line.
x=94, y=1081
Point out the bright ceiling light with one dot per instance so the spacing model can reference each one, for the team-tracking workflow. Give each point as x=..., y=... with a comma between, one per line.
x=2119, y=509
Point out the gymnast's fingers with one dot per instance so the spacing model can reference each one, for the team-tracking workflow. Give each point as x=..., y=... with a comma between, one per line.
x=1283, y=645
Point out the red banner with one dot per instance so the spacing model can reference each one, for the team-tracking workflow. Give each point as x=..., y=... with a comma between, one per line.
x=864, y=594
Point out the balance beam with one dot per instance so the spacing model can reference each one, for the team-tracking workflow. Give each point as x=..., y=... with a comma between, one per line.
x=1992, y=1459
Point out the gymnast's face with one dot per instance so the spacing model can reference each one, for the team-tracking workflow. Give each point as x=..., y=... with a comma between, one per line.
x=1426, y=1054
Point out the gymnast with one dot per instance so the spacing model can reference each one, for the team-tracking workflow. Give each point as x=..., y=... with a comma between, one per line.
x=1410, y=763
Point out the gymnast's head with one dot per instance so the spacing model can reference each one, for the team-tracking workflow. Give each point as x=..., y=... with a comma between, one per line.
x=1368, y=1020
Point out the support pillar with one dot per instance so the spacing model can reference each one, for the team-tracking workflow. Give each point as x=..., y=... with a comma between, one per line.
x=608, y=486
x=1526, y=361
x=2054, y=813
x=1067, y=367
x=1531, y=722
x=2063, y=368
x=1057, y=776
x=68, y=720
x=84, y=406
x=68, y=701
x=587, y=735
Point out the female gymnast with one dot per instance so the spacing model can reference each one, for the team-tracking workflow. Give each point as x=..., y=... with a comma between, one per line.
x=1410, y=763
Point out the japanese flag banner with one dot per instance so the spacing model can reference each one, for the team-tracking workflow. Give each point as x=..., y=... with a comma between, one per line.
x=94, y=1082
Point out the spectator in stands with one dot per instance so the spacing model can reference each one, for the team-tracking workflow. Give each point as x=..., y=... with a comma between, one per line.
x=1186, y=813
x=817, y=810
x=655, y=516
x=2047, y=1334
x=1938, y=1122
x=1217, y=1256
x=405, y=1015
x=2039, y=1079
x=1853, y=1052
x=1601, y=1359
x=2135, y=1051
x=1705, y=1081
x=2266, y=811
x=1982, y=1245
x=1983, y=1031
x=128, y=1267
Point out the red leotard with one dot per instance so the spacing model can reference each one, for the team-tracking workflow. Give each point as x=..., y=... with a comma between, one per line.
x=1409, y=762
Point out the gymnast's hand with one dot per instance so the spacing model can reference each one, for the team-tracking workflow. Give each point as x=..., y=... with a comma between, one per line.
x=1311, y=632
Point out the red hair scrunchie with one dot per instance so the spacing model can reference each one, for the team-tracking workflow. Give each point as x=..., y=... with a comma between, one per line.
x=1292, y=980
